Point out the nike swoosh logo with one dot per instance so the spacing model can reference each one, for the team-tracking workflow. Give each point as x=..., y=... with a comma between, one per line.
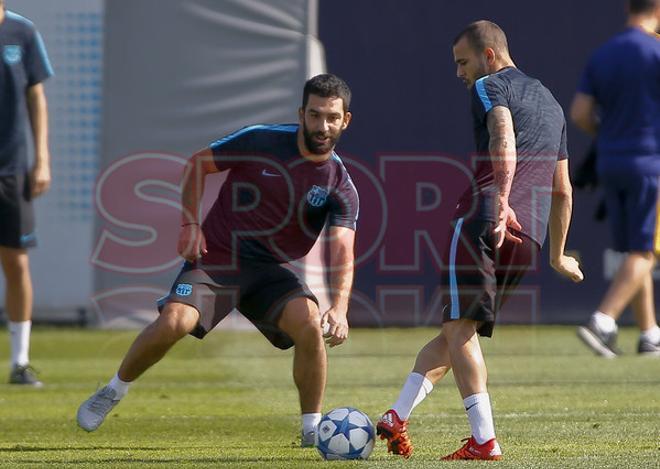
x=468, y=408
x=265, y=172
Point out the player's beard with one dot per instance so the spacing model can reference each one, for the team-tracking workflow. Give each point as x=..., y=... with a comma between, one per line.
x=320, y=148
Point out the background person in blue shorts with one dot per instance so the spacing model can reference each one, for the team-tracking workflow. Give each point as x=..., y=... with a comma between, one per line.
x=618, y=101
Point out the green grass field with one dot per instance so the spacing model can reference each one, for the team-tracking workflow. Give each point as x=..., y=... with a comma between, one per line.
x=229, y=401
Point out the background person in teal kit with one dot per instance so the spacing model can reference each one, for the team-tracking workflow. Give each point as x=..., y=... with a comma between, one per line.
x=24, y=66
x=618, y=101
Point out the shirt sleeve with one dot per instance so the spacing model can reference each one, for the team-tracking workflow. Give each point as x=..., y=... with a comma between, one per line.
x=586, y=84
x=227, y=151
x=344, y=204
x=37, y=64
x=488, y=92
x=563, y=144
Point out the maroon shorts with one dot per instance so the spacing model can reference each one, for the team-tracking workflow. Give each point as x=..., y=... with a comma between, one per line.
x=480, y=276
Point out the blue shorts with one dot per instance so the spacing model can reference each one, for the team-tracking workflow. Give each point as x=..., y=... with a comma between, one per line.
x=632, y=208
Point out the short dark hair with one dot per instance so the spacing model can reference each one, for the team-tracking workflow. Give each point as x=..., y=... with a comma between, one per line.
x=482, y=34
x=636, y=7
x=327, y=85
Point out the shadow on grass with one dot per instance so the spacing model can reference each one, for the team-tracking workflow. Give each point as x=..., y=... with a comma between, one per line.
x=36, y=449
x=183, y=460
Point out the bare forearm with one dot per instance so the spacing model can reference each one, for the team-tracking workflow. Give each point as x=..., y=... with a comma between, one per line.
x=503, y=157
x=502, y=150
x=583, y=113
x=341, y=280
x=560, y=220
x=588, y=126
x=38, y=111
x=192, y=192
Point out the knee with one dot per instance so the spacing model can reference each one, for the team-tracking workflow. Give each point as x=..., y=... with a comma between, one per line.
x=459, y=331
x=302, y=322
x=309, y=331
x=177, y=320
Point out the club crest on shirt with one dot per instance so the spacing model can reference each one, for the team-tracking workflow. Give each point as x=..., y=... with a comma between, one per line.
x=183, y=289
x=317, y=196
x=12, y=54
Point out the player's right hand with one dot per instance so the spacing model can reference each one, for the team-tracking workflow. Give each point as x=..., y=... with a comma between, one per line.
x=39, y=180
x=192, y=244
x=569, y=267
x=506, y=218
x=334, y=324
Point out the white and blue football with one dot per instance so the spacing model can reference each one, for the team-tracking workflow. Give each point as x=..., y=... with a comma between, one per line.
x=345, y=433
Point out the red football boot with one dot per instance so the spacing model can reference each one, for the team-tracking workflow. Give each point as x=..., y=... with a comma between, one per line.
x=489, y=451
x=391, y=428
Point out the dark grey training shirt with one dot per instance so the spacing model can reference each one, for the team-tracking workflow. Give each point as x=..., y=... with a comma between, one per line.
x=23, y=63
x=540, y=130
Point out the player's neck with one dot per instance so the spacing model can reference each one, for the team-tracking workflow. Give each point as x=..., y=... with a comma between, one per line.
x=647, y=24
x=502, y=64
x=2, y=14
x=308, y=155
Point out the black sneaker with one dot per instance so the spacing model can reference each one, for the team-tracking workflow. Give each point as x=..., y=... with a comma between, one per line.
x=647, y=348
x=25, y=375
x=602, y=343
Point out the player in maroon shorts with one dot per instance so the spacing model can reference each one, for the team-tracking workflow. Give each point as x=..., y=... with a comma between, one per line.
x=519, y=184
x=284, y=183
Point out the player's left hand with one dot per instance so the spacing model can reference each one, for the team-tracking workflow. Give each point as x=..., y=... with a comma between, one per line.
x=506, y=218
x=334, y=324
x=39, y=180
x=569, y=267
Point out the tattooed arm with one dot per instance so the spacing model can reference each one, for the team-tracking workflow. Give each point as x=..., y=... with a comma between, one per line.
x=502, y=150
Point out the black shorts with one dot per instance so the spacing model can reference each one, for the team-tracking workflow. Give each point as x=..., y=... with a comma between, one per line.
x=16, y=212
x=480, y=277
x=260, y=291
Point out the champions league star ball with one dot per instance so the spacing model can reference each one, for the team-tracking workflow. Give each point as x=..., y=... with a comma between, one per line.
x=345, y=433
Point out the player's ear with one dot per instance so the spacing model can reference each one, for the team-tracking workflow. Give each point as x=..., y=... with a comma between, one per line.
x=489, y=52
x=301, y=115
x=347, y=120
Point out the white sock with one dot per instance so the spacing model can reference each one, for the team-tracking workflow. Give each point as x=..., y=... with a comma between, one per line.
x=120, y=387
x=413, y=392
x=604, y=322
x=310, y=422
x=651, y=335
x=480, y=416
x=19, y=333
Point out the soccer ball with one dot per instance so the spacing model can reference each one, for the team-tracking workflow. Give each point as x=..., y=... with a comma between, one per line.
x=345, y=433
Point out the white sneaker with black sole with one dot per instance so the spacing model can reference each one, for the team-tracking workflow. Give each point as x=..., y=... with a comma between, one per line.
x=648, y=348
x=602, y=343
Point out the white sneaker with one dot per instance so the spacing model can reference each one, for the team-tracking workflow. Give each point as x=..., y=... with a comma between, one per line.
x=93, y=411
